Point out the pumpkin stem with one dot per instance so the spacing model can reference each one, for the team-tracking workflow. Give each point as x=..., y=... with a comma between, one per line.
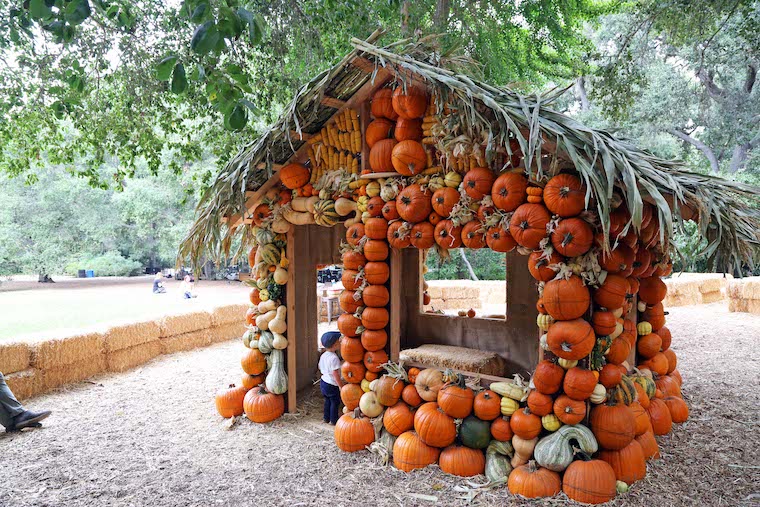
x=566, y=347
x=532, y=466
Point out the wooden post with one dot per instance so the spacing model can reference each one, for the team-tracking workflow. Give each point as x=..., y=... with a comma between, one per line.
x=290, y=300
x=363, y=122
x=634, y=316
x=395, y=281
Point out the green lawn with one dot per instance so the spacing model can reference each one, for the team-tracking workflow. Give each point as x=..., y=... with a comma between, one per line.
x=55, y=308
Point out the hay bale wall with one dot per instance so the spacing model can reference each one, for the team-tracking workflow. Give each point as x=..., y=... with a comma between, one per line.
x=466, y=294
x=14, y=356
x=695, y=289
x=43, y=363
x=744, y=295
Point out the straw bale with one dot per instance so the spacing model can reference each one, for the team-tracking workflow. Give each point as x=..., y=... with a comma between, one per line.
x=74, y=372
x=130, y=335
x=185, y=323
x=460, y=292
x=738, y=305
x=734, y=290
x=227, y=332
x=712, y=297
x=53, y=353
x=185, y=341
x=14, y=356
x=124, y=359
x=435, y=291
x=458, y=304
x=26, y=384
x=226, y=314
x=458, y=358
x=710, y=285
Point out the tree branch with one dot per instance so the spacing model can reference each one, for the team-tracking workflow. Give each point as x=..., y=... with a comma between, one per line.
x=468, y=265
x=749, y=83
x=706, y=77
x=580, y=86
x=706, y=150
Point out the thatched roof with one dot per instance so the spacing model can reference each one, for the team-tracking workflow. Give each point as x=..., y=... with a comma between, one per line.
x=727, y=211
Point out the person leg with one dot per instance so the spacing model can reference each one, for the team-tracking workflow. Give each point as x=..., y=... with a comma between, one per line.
x=9, y=405
x=334, y=409
x=323, y=386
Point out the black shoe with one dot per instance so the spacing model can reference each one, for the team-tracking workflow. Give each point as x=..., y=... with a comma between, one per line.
x=28, y=419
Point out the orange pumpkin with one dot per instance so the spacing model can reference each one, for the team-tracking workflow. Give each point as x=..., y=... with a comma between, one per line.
x=500, y=240
x=571, y=339
x=565, y=195
x=409, y=158
x=568, y=410
x=478, y=182
x=294, y=175
x=528, y=225
x=539, y=403
x=380, y=156
x=374, y=339
x=611, y=294
x=410, y=101
x=572, y=237
x=473, y=236
x=422, y=235
x=389, y=211
x=413, y=205
x=444, y=200
x=566, y=299
x=447, y=235
x=376, y=250
x=381, y=105
x=509, y=191
x=398, y=418
x=377, y=130
x=539, y=265
x=487, y=405
x=408, y=129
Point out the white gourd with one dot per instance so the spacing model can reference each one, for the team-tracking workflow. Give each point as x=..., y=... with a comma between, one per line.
x=265, y=342
x=280, y=276
x=278, y=324
x=279, y=342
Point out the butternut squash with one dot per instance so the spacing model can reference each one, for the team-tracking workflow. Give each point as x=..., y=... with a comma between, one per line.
x=298, y=218
x=278, y=324
x=279, y=342
x=266, y=306
x=344, y=206
x=263, y=320
x=299, y=204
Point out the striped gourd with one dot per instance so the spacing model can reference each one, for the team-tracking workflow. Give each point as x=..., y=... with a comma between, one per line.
x=647, y=383
x=270, y=254
x=325, y=214
x=625, y=392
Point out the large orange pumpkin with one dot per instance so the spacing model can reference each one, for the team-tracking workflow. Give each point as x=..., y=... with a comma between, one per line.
x=377, y=130
x=433, y=426
x=462, y=461
x=566, y=299
x=409, y=158
x=509, y=191
x=652, y=290
x=413, y=205
x=528, y=225
x=410, y=452
x=261, y=406
x=500, y=240
x=611, y=294
x=375, y=296
x=572, y=237
x=381, y=105
x=447, y=235
x=294, y=176
x=628, y=463
x=423, y=235
x=571, y=339
x=613, y=426
x=398, y=418
x=374, y=339
x=354, y=432
x=410, y=101
x=565, y=195
x=380, y=156
x=444, y=200
x=478, y=182
x=408, y=129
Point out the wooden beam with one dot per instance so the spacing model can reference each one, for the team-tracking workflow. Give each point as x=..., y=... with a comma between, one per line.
x=254, y=200
x=275, y=166
x=290, y=302
x=333, y=102
x=395, y=324
x=485, y=380
x=364, y=112
x=368, y=67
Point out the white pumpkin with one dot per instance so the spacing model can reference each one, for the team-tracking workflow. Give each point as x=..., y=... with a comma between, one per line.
x=369, y=405
x=280, y=276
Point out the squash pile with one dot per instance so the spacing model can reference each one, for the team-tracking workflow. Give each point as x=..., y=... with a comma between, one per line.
x=607, y=383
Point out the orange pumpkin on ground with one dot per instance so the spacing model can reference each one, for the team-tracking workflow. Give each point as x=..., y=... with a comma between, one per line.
x=354, y=432
x=462, y=461
x=410, y=452
x=229, y=401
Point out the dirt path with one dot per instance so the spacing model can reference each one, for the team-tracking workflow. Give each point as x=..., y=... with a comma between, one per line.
x=151, y=437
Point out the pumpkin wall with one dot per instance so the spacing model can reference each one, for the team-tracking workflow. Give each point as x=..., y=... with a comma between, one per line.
x=604, y=376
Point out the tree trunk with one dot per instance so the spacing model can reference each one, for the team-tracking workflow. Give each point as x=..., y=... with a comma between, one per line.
x=738, y=158
x=706, y=150
x=580, y=88
x=441, y=17
x=468, y=265
x=405, y=18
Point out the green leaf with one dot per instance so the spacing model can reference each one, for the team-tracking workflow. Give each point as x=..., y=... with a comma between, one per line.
x=77, y=11
x=164, y=68
x=229, y=23
x=236, y=119
x=179, y=81
x=199, y=13
x=39, y=10
x=198, y=73
x=205, y=38
x=255, y=23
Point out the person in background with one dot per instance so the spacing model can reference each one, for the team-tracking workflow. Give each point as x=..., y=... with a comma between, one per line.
x=186, y=288
x=158, y=285
x=13, y=415
x=330, y=382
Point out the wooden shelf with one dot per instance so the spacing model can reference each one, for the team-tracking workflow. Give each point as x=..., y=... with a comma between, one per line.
x=377, y=176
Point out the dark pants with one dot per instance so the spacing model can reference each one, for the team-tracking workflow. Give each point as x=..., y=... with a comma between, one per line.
x=332, y=401
x=9, y=405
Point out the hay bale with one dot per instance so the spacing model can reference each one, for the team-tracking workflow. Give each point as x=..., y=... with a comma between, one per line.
x=227, y=332
x=185, y=341
x=458, y=304
x=185, y=323
x=227, y=314
x=74, y=372
x=708, y=285
x=458, y=292
x=130, y=335
x=14, y=356
x=26, y=384
x=712, y=297
x=124, y=359
x=457, y=358
x=54, y=353
x=435, y=291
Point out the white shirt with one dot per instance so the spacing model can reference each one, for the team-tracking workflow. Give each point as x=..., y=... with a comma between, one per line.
x=328, y=363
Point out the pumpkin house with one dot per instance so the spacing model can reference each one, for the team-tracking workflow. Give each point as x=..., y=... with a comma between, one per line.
x=397, y=150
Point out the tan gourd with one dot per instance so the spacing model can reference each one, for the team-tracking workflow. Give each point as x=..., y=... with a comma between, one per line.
x=280, y=276
x=263, y=320
x=279, y=342
x=311, y=202
x=298, y=218
x=523, y=450
x=278, y=324
x=344, y=206
x=299, y=204
x=267, y=306
x=280, y=225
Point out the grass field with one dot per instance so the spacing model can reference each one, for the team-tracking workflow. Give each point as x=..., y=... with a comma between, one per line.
x=73, y=305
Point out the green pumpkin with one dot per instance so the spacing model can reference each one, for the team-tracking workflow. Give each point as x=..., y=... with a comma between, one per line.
x=625, y=391
x=475, y=433
x=555, y=452
x=270, y=254
x=647, y=383
x=498, y=466
x=263, y=236
x=325, y=214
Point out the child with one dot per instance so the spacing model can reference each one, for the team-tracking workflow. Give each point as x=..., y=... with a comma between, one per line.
x=330, y=383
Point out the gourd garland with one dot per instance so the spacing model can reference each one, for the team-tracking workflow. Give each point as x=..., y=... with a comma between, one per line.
x=605, y=344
